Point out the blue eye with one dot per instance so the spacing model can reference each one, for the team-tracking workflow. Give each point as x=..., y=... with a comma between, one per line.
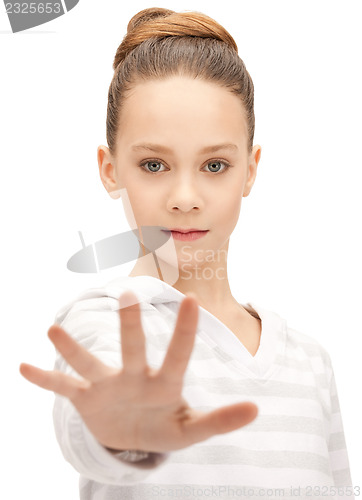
x=154, y=169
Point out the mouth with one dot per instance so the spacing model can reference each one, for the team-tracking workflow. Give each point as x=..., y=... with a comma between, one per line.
x=187, y=234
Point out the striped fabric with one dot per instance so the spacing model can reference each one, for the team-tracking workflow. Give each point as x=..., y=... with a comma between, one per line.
x=295, y=448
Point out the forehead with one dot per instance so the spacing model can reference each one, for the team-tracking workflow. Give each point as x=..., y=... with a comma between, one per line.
x=181, y=105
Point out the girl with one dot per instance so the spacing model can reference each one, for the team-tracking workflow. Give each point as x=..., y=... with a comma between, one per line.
x=212, y=397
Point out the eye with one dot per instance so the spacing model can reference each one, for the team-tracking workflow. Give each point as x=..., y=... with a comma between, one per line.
x=153, y=164
x=215, y=164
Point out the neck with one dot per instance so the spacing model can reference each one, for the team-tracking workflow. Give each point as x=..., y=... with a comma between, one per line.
x=207, y=279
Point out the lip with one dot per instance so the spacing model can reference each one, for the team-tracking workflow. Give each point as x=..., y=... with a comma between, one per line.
x=187, y=234
x=186, y=230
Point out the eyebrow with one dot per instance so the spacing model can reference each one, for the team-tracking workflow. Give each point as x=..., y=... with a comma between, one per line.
x=163, y=149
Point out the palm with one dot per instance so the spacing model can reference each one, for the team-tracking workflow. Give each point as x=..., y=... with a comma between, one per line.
x=137, y=407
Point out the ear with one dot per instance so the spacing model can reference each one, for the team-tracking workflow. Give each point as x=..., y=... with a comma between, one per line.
x=253, y=161
x=107, y=169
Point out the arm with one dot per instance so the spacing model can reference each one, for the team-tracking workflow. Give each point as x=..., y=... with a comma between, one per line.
x=336, y=444
x=98, y=332
x=133, y=407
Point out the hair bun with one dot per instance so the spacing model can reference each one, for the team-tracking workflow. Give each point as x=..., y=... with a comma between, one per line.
x=159, y=23
x=146, y=15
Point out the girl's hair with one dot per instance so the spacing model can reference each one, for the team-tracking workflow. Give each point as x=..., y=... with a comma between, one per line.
x=162, y=43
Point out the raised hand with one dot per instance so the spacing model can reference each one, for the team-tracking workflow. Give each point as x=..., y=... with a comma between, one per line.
x=137, y=407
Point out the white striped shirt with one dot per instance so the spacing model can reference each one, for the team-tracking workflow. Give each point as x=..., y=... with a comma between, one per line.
x=294, y=448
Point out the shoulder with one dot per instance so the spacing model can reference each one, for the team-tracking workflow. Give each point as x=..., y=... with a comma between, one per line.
x=308, y=349
x=90, y=300
x=103, y=298
x=97, y=309
x=306, y=342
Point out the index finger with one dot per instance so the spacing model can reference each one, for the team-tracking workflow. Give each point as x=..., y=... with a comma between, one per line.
x=181, y=345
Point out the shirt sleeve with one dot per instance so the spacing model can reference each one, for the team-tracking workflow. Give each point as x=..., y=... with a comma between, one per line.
x=337, y=445
x=96, y=326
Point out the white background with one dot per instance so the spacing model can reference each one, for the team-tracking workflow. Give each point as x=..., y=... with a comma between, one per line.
x=297, y=247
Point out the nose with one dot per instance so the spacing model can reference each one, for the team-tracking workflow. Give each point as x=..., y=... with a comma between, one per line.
x=185, y=194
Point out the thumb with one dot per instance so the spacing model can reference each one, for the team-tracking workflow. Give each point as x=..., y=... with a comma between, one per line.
x=220, y=421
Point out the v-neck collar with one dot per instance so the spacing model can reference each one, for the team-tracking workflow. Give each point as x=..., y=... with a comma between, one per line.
x=273, y=327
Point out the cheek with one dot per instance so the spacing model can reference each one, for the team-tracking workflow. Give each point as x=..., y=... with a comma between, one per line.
x=228, y=209
x=143, y=203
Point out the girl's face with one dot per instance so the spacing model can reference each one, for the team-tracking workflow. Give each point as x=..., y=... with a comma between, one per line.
x=174, y=173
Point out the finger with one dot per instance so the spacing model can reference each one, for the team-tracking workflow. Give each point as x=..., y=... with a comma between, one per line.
x=132, y=336
x=220, y=421
x=87, y=365
x=182, y=342
x=55, y=381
